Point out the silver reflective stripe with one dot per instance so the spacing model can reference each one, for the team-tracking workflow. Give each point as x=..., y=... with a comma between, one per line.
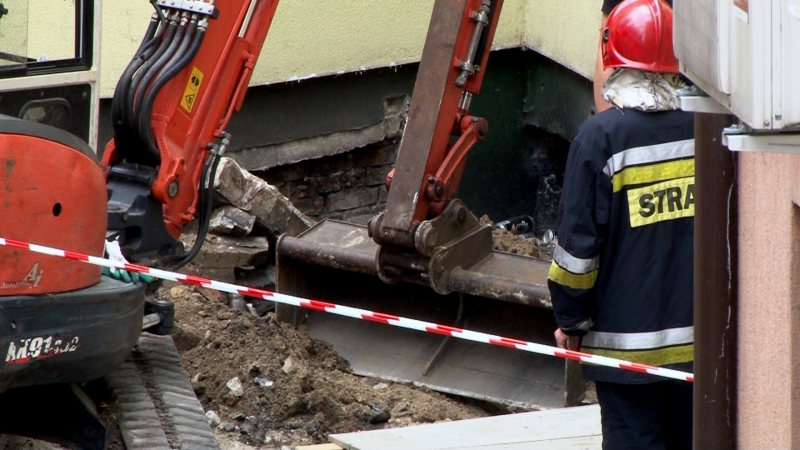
x=639, y=341
x=649, y=154
x=573, y=264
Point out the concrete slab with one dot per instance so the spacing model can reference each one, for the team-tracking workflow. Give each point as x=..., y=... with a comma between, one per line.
x=568, y=428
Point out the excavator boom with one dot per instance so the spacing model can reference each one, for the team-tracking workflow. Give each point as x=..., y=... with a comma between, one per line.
x=170, y=110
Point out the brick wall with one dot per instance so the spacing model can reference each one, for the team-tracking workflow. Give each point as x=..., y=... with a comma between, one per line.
x=348, y=186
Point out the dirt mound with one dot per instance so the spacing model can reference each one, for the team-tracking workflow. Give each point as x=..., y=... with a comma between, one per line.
x=294, y=390
x=506, y=241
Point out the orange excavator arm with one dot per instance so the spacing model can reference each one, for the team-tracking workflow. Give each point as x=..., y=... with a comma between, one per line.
x=170, y=110
x=437, y=138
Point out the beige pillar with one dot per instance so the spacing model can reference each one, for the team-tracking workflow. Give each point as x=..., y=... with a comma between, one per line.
x=769, y=301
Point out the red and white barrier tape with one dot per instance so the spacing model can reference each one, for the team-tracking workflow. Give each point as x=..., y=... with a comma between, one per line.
x=357, y=313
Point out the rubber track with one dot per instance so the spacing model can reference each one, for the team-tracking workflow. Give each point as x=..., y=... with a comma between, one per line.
x=158, y=409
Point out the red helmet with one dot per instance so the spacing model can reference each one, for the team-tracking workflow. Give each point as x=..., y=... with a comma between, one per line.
x=638, y=35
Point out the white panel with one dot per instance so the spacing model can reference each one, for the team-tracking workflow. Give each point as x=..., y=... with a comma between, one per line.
x=701, y=41
x=751, y=71
x=789, y=80
x=567, y=428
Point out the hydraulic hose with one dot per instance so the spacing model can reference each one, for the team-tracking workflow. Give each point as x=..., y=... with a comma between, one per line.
x=155, y=69
x=153, y=36
x=145, y=128
x=206, y=200
x=118, y=106
x=137, y=79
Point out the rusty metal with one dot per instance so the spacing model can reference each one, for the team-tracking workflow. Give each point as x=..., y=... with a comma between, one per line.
x=497, y=275
x=425, y=120
x=715, y=287
x=435, y=115
x=507, y=277
x=455, y=221
x=427, y=239
x=459, y=323
x=334, y=244
x=336, y=261
x=465, y=252
x=463, y=368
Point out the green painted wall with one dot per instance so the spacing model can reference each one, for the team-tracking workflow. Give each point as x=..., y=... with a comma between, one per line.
x=519, y=168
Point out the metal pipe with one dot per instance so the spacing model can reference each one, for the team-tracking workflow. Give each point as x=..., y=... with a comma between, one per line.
x=481, y=18
x=715, y=286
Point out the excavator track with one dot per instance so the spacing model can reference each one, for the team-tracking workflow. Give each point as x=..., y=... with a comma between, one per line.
x=158, y=409
x=155, y=408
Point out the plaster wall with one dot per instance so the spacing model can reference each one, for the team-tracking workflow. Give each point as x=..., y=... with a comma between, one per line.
x=37, y=28
x=51, y=29
x=566, y=32
x=14, y=29
x=769, y=301
x=312, y=38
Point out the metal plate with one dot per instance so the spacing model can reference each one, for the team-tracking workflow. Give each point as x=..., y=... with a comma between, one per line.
x=334, y=262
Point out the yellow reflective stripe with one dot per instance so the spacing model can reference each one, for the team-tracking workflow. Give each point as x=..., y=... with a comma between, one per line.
x=653, y=173
x=673, y=199
x=575, y=281
x=658, y=357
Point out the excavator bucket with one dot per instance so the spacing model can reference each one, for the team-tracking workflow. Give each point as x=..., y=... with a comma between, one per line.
x=427, y=256
x=502, y=294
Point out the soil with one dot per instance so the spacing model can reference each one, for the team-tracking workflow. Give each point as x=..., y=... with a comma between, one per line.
x=507, y=241
x=295, y=390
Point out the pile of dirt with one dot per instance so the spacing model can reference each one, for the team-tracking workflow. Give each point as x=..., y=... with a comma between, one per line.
x=507, y=241
x=293, y=389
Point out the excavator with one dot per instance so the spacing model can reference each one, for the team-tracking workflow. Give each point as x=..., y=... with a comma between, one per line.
x=60, y=321
x=426, y=255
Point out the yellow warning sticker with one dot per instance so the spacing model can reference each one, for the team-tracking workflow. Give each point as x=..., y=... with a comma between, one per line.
x=190, y=93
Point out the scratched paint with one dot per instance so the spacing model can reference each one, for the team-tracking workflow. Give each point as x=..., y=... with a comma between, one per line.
x=10, y=166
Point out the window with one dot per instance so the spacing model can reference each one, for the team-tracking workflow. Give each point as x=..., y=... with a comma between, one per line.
x=45, y=36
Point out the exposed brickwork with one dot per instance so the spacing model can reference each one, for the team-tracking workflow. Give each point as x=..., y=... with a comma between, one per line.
x=346, y=186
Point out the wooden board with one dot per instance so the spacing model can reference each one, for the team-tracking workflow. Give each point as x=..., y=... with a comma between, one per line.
x=567, y=428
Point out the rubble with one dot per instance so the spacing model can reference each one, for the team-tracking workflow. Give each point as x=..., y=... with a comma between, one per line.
x=250, y=214
x=213, y=419
x=235, y=386
x=273, y=212
x=315, y=396
x=232, y=221
x=506, y=241
x=226, y=252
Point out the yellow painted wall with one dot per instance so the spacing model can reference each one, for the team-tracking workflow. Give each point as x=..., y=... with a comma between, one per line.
x=566, y=31
x=38, y=28
x=320, y=37
x=51, y=29
x=14, y=29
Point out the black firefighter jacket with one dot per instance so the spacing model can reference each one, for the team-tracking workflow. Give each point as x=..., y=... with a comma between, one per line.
x=622, y=271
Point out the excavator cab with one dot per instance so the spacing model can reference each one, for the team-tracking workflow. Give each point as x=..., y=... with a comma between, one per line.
x=427, y=256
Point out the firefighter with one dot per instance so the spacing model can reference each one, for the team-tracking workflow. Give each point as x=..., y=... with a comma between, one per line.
x=600, y=72
x=622, y=274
